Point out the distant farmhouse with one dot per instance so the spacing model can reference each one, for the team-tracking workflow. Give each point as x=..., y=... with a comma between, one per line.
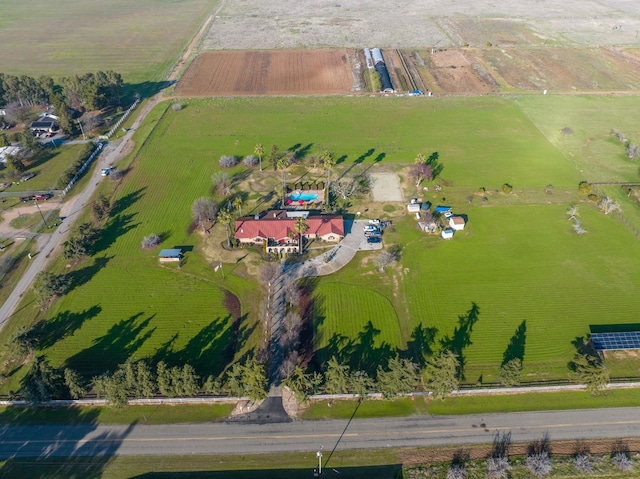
x=275, y=229
x=47, y=123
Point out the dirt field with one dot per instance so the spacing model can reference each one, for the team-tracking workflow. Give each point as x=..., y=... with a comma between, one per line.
x=261, y=72
x=291, y=24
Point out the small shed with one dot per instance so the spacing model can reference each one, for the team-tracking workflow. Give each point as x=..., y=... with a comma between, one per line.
x=456, y=222
x=173, y=255
x=447, y=233
x=425, y=206
x=442, y=209
x=413, y=207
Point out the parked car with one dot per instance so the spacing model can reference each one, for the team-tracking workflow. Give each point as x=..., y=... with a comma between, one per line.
x=370, y=234
x=26, y=199
x=27, y=177
x=44, y=197
x=105, y=171
x=374, y=239
x=370, y=228
x=375, y=222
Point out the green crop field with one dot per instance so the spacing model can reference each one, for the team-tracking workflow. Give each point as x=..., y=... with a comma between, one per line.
x=72, y=38
x=517, y=281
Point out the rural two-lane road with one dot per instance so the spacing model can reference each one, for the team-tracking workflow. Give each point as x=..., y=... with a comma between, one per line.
x=301, y=436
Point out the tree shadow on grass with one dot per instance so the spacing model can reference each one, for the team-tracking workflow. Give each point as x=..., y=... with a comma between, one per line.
x=461, y=337
x=48, y=332
x=39, y=454
x=82, y=276
x=205, y=351
x=143, y=90
x=515, y=349
x=116, y=227
x=433, y=162
x=420, y=346
x=120, y=343
x=127, y=201
x=357, y=161
x=361, y=353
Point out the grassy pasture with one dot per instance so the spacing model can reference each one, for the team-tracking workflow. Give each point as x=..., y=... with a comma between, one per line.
x=356, y=322
x=491, y=140
x=518, y=261
x=537, y=286
x=93, y=35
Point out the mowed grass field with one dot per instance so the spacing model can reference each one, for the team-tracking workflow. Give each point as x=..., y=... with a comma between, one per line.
x=137, y=39
x=517, y=265
x=354, y=322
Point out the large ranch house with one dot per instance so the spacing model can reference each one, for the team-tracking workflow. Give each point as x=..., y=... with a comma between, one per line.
x=275, y=229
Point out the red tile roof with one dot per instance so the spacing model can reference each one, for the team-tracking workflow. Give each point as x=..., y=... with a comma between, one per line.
x=276, y=225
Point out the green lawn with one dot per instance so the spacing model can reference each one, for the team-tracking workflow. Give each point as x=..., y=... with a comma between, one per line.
x=355, y=323
x=119, y=35
x=48, y=167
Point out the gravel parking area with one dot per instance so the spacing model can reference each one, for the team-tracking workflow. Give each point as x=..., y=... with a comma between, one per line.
x=386, y=187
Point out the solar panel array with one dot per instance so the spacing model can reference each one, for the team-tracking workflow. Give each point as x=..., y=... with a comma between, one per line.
x=621, y=340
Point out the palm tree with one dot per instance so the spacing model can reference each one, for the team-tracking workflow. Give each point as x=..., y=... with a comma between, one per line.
x=300, y=227
x=282, y=165
x=225, y=217
x=327, y=163
x=258, y=150
x=420, y=159
x=237, y=204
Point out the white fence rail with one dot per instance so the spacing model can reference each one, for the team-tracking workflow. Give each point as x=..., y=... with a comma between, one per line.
x=86, y=164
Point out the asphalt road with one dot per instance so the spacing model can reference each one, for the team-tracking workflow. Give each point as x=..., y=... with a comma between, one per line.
x=223, y=438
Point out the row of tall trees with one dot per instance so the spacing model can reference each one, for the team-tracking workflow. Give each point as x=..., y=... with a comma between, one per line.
x=89, y=91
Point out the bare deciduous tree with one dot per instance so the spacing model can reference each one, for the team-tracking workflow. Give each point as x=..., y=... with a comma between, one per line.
x=608, y=205
x=538, y=461
x=204, y=212
x=228, y=161
x=222, y=182
x=250, y=161
x=150, y=241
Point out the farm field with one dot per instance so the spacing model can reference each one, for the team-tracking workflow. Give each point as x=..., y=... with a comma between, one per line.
x=252, y=24
x=518, y=265
x=97, y=35
x=231, y=73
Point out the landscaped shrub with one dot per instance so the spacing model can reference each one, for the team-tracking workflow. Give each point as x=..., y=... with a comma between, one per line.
x=593, y=197
x=584, y=187
x=176, y=107
x=227, y=161
x=506, y=188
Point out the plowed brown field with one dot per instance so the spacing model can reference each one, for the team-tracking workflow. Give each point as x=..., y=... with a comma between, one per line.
x=261, y=72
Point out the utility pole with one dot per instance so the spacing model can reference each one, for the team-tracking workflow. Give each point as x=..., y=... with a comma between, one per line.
x=84, y=137
x=40, y=211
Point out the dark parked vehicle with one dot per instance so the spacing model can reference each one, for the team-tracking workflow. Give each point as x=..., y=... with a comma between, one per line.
x=26, y=199
x=374, y=239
